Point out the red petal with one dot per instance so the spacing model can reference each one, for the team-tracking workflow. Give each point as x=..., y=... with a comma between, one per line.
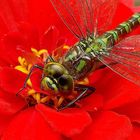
x=123, y=13
x=45, y=16
x=10, y=104
x=36, y=79
x=132, y=110
x=124, y=98
x=92, y=103
x=29, y=125
x=30, y=35
x=25, y=38
x=49, y=39
x=136, y=133
x=4, y=60
x=116, y=90
x=18, y=9
x=11, y=80
x=7, y=16
x=129, y=3
x=4, y=122
x=132, y=4
x=67, y=122
x=11, y=41
x=107, y=126
x=136, y=8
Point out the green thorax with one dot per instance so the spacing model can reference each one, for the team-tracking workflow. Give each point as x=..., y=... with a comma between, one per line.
x=81, y=58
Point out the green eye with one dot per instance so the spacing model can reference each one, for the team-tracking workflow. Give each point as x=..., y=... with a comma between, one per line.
x=55, y=70
x=65, y=82
x=49, y=84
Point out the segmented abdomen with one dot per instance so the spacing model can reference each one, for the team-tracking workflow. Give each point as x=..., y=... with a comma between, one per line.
x=128, y=26
x=123, y=29
x=110, y=38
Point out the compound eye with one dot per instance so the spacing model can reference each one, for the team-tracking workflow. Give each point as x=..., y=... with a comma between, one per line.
x=65, y=82
x=48, y=83
x=54, y=70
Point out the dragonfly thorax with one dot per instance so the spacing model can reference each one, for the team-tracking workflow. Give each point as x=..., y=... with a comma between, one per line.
x=81, y=59
x=79, y=62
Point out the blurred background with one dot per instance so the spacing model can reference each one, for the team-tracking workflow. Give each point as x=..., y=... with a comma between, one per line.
x=137, y=2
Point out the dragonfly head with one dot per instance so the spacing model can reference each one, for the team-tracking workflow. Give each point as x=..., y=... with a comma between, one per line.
x=56, y=78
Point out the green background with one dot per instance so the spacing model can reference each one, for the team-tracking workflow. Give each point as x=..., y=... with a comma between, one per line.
x=137, y=2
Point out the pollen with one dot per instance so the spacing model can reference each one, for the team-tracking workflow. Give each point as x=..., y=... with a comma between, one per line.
x=23, y=65
x=37, y=97
x=85, y=81
x=60, y=101
x=45, y=99
x=31, y=92
x=40, y=52
x=65, y=47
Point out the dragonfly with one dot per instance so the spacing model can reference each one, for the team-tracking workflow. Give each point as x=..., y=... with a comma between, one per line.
x=88, y=20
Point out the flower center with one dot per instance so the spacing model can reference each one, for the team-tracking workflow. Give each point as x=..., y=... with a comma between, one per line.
x=32, y=96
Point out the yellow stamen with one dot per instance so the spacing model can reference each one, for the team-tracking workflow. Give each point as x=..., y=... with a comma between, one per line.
x=43, y=51
x=22, y=69
x=60, y=101
x=45, y=99
x=39, y=53
x=31, y=92
x=29, y=67
x=83, y=82
x=65, y=47
x=35, y=51
x=22, y=61
x=23, y=65
x=36, y=96
x=29, y=83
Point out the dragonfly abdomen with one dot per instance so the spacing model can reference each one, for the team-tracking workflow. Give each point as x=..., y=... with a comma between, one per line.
x=129, y=25
x=110, y=38
x=123, y=29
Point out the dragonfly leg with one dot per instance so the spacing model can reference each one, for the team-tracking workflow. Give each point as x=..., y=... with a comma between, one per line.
x=28, y=76
x=50, y=58
x=81, y=87
x=83, y=94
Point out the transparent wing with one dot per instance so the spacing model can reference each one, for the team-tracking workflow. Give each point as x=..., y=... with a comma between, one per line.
x=84, y=17
x=124, y=59
x=12, y=11
x=104, y=13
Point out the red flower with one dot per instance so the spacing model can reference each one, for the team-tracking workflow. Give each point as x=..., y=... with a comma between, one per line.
x=112, y=112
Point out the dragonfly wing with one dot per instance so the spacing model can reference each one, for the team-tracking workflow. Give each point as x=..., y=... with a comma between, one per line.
x=104, y=13
x=124, y=59
x=84, y=17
